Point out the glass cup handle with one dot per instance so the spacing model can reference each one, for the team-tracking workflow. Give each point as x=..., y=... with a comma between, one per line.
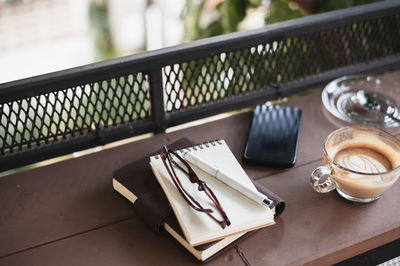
x=322, y=186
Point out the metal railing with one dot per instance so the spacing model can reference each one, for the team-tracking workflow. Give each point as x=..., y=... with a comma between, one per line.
x=62, y=112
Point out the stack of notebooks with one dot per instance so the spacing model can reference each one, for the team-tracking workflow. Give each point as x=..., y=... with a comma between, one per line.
x=160, y=206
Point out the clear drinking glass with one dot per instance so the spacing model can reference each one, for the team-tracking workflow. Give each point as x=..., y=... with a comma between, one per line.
x=361, y=163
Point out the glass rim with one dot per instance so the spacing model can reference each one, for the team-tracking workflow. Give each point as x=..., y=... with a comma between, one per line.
x=331, y=161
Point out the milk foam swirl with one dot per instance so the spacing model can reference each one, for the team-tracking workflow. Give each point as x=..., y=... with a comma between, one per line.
x=363, y=160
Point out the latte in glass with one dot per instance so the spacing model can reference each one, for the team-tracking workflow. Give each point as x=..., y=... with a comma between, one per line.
x=361, y=163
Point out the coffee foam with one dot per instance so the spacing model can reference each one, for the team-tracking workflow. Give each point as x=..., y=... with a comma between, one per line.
x=363, y=160
x=370, y=152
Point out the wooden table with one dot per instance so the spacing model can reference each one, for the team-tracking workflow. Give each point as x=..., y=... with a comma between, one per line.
x=67, y=213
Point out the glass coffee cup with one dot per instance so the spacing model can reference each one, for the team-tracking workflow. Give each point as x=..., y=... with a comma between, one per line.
x=361, y=163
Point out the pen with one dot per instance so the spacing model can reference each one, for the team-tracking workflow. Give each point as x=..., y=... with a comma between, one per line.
x=225, y=178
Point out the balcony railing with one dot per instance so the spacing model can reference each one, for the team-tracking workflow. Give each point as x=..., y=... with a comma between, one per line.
x=62, y=112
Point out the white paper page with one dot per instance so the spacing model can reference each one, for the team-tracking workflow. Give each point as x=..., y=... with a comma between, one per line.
x=199, y=228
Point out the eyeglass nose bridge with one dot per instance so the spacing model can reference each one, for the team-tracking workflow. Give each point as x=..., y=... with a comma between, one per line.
x=200, y=185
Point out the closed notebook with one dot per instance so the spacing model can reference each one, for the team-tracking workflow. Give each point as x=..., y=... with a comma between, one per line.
x=244, y=214
x=136, y=182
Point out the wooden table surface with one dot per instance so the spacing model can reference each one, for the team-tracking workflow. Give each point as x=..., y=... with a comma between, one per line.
x=67, y=213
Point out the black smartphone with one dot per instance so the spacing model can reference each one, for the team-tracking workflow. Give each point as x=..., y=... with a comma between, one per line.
x=273, y=136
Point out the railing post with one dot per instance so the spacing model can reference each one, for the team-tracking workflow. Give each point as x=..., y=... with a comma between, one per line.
x=157, y=100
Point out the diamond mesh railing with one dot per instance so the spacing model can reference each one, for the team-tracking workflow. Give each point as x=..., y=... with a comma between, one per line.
x=66, y=111
x=277, y=62
x=73, y=112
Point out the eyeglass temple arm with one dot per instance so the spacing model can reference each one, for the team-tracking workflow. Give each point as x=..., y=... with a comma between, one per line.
x=182, y=190
x=213, y=198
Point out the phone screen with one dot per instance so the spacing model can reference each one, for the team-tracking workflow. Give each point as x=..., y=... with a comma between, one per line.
x=273, y=136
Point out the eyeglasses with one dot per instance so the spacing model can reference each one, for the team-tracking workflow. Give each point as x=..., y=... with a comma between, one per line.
x=170, y=156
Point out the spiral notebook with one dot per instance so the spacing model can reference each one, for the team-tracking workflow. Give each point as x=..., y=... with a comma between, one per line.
x=136, y=182
x=244, y=214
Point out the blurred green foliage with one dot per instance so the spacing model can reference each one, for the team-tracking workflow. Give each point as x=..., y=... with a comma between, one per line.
x=328, y=5
x=204, y=19
x=100, y=28
x=214, y=17
x=279, y=10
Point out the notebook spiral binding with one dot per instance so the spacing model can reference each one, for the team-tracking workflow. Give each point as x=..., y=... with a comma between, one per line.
x=195, y=147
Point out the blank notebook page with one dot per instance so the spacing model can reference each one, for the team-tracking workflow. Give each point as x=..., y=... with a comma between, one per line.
x=198, y=228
